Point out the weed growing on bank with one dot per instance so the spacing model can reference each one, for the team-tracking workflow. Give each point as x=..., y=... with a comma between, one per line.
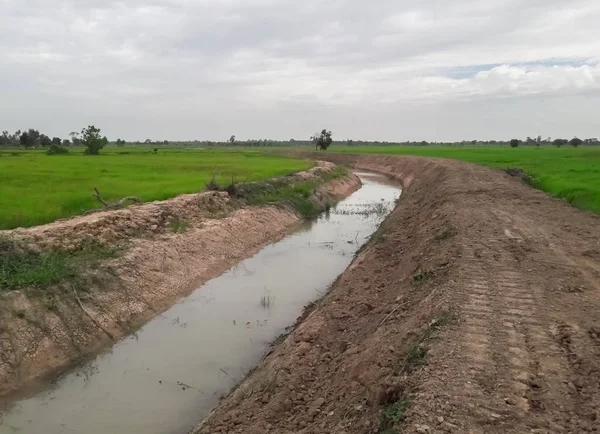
x=22, y=267
x=394, y=413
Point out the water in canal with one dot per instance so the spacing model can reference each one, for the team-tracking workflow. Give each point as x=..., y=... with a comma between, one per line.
x=167, y=377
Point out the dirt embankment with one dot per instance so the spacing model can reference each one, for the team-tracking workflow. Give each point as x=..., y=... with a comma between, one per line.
x=474, y=309
x=174, y=247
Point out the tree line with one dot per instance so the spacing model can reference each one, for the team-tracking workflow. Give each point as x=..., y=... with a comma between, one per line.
x=575, y=142
x=90, y=138
x=30, y=138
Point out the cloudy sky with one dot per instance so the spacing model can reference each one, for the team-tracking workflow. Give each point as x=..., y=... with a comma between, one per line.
x=378, y=69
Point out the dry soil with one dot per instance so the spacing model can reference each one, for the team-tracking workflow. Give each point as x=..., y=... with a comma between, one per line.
x=474, y=309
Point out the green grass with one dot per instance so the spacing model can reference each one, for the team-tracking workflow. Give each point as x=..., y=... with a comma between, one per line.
x=569, y=173
x=22, y=267
x=393, y=414
x=422, y=277
x=178, y=225
x=296, y=194
x=36, y=188
x=416, y=355
x=445, y=234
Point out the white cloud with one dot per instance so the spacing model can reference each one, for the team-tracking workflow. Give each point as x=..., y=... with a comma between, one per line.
x=196, y=68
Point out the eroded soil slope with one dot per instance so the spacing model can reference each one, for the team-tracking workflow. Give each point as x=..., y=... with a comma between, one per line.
x=45, y=330
x=474, y=309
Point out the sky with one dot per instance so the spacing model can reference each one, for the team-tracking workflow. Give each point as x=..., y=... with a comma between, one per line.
x=389, y=70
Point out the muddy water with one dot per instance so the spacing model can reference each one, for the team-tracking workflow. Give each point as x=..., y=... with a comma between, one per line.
x=166, y=377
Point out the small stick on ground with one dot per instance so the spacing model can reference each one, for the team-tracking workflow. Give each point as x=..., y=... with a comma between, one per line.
x=393, y=311
x=187, y=386
x=109, y=334
x=115, y=205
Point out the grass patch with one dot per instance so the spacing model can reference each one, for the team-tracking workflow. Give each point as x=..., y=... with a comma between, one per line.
x=139, y=232
x=393, y=414
x=378, y=237
x=296, y=196
x=21, y=267
x=283, y=336
x=24, y=268
x=91, y=251
x=572, y=174
x=283, y=191
x=178, y=225
x=37, y=189
x=446, y=234
x=338, y=172
x=522, y=175
x=416, y=355
x=422, y=277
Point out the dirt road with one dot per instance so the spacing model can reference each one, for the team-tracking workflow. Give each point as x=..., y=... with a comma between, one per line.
x=474, y=309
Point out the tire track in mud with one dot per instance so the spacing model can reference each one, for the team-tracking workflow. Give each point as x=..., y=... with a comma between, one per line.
x=575, y=339
x=573, y=334
x=508, y=371
x=498, y=305
x=519, y=360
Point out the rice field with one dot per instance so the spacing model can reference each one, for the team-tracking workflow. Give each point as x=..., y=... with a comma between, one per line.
x=36, y=188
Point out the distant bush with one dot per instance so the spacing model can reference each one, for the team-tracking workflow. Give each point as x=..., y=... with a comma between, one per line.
x=323, y=140
x=56, y=149
x=92, y=140
x=575, y=142
x=514, y=143
x=560, y=142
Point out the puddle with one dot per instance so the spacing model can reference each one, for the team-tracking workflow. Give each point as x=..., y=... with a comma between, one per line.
x=167, y=377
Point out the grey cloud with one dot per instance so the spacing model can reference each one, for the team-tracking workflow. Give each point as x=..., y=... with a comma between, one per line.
x=200, y=68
